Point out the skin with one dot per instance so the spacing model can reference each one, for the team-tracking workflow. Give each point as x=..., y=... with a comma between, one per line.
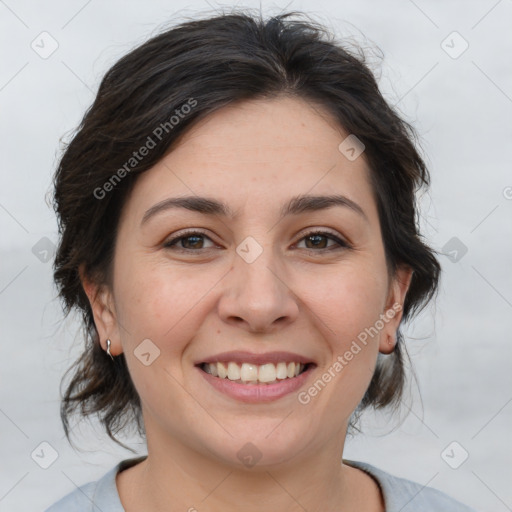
x=295, y=296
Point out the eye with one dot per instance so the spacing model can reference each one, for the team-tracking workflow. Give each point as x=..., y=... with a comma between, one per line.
x=315, y=237
x=192, y=239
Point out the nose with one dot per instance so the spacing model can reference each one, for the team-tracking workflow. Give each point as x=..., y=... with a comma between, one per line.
x=258, y=295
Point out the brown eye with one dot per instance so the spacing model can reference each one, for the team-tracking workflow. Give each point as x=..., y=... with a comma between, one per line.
x=191, y=241
x=319, y=240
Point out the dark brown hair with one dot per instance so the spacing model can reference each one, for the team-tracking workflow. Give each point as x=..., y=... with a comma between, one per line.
x=211, y=63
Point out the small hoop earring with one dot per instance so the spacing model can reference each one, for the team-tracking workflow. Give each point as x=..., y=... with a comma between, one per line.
x=108, y=349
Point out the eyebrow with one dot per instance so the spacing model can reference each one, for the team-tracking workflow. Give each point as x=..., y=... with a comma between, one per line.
x=295, y=206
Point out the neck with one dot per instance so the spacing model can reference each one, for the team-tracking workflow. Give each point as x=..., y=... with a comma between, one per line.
x=316, y=479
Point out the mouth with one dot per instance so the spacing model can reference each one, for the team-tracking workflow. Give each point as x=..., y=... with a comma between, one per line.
x=255, y=378
x=253, y=374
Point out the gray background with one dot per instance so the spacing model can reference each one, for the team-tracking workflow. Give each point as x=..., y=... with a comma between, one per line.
x=460, y=347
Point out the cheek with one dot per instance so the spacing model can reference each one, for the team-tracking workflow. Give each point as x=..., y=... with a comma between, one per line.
x=355, y=302
x=346, y=300
x=346, y=304
x=161, y=303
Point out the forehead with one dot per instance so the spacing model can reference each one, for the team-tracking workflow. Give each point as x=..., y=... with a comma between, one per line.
x=261, y=129
x=256, y=155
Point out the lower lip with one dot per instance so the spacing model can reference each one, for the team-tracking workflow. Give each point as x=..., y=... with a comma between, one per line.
x=254, y=393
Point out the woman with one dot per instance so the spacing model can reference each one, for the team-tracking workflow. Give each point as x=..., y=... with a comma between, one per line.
x=238, y=228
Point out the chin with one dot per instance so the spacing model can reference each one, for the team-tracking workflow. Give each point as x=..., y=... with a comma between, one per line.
x=260, y=447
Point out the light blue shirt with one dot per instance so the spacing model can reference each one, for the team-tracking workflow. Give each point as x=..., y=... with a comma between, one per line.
x=400, y=495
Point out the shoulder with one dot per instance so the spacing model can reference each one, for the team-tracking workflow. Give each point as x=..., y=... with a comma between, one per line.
x=97, y=495
x=405, y=495
x=81, y=499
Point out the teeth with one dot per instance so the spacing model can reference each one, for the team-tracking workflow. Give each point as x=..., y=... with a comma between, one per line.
x=222, y=371
x=281, y=372
x=212, y=368
x=267, y=373
x=254, y=374
x=249, y=372
x=233, y=371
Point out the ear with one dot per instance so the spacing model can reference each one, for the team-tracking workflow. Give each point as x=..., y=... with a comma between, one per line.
x=102, y=305
x=393, y=312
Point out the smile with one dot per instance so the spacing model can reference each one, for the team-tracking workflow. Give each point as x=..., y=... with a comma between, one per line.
x=252, y=374
x=256, y=378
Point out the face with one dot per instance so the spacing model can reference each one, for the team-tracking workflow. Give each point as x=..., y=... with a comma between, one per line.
x=191, y=285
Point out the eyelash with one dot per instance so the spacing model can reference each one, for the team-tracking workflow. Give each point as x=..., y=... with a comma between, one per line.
x=342, y=245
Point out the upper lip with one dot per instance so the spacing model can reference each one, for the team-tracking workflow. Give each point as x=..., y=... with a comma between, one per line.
x=240, y=356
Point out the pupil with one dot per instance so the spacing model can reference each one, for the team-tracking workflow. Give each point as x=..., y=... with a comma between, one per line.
x=193, y=237
x=311, y=237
